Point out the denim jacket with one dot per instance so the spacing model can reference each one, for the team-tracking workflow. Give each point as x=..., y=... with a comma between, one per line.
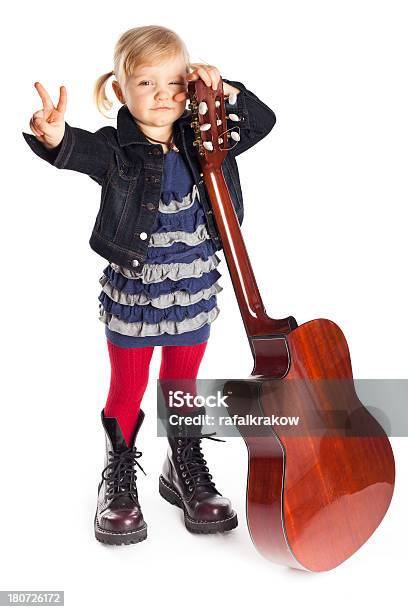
x=129, y=169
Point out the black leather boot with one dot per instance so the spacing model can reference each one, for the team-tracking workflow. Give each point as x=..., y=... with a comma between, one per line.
x=186, y=482
x=118, y=518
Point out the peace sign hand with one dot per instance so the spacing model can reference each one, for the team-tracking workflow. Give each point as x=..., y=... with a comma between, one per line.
x=48, y=124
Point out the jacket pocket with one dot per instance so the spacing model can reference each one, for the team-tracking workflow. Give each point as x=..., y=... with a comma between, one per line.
x=125, y=175
x=114, y=197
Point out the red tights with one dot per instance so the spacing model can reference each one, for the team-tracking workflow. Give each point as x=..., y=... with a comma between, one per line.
x=130, y=375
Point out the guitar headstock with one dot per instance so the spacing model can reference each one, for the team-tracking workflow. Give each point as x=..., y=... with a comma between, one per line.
x=209, y=121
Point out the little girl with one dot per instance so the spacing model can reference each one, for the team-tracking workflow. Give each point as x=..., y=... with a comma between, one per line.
x=168, y=296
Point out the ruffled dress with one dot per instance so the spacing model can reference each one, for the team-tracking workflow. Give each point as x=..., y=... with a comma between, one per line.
x=172, y=299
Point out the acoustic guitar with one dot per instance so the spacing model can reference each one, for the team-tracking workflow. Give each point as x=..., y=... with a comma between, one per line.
x=318, y=491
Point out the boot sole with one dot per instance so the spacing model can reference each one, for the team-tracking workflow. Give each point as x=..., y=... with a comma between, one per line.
x=112, y=538
x=170, y=495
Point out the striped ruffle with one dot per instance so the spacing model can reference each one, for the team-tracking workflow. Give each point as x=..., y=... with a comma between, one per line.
x=166, y=239
x=174, y=205
x=155, y=273
x=181, y=253
x=153, y=290
x=149, y=314
x=178, y=297
x=186, y=220
x=167, y=326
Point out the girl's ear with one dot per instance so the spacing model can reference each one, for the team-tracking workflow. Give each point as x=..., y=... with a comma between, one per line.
x=116, y=88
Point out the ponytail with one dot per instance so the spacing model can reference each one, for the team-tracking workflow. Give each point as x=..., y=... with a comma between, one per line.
x=101, y=100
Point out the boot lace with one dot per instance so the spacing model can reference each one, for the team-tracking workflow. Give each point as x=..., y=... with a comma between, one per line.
x=193, y=466
x=120, y=473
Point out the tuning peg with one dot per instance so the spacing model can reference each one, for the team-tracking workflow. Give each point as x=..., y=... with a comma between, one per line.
x=232, y=98
x=205, y=126
x=202, y=108
x=233, y=117
x=208, y=146
x=235, y=136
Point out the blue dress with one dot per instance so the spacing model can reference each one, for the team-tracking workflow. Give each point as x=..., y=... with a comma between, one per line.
x=172, y=300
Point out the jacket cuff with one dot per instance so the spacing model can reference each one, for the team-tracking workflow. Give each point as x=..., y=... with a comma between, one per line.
x=56, y=156
x=240, y=107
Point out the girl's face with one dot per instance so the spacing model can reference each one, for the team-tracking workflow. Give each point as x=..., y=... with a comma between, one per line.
x=150, y=92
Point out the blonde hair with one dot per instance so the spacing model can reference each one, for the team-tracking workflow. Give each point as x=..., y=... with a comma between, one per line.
x=137, y=46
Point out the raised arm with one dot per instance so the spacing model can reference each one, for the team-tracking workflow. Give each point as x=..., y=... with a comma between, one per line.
x=64, y=146
x=256, y=118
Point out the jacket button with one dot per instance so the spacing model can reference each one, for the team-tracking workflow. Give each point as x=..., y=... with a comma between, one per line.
x=156, y=179
x=156, y=151
x=135, y=262
x=150, y=206
x=143, y=235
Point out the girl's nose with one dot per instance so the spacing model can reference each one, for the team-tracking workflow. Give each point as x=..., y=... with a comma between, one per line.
x=163, y=94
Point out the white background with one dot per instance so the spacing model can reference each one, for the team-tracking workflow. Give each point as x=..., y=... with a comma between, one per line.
x=325, y=226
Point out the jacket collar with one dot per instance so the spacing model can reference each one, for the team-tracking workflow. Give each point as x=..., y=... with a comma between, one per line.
x=129, y=131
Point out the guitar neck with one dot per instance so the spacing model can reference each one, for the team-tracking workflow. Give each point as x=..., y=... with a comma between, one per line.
x=256, y=321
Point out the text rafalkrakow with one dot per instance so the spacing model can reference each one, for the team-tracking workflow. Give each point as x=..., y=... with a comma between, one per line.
x=246, y=420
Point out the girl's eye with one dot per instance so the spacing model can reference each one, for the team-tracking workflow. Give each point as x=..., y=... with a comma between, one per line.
x=172, y=82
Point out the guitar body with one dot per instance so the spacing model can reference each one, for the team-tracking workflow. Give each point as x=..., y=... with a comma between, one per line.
x=315, y=494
